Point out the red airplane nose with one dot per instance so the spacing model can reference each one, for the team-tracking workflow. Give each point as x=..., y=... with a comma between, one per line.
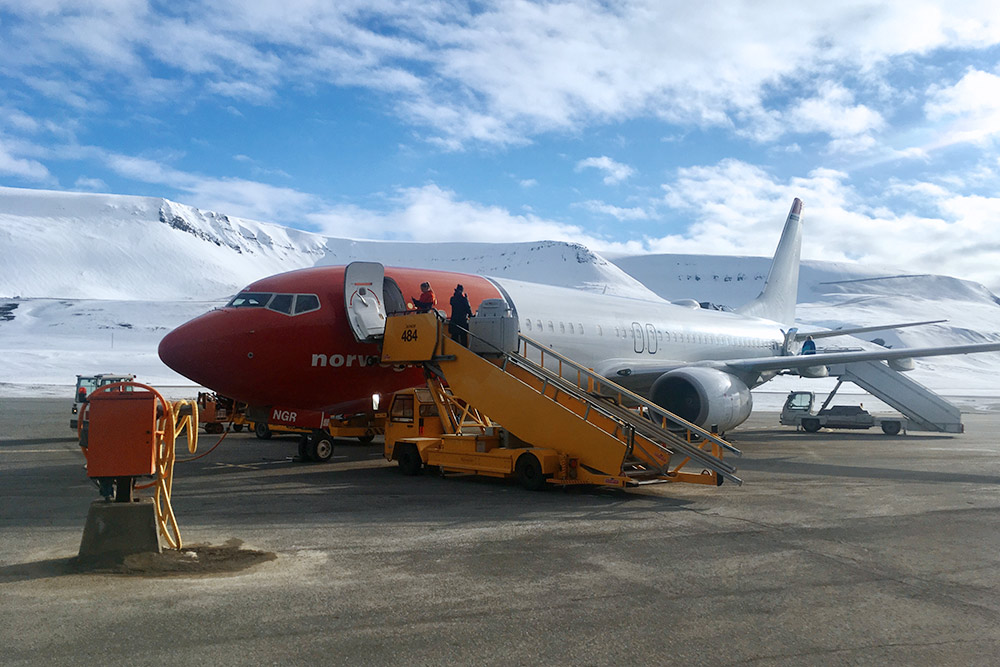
x=198, y=349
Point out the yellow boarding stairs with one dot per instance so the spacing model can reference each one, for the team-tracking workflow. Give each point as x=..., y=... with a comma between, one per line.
x=568, y=423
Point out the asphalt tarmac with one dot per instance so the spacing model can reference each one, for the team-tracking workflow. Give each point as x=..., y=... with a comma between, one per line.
x=840, y=548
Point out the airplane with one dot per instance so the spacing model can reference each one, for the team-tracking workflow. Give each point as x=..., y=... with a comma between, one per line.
x=310, y=338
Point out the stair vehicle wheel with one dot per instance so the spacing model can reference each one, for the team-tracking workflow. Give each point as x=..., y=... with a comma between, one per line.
x=366, y=439
x=237, y=427
x=409, y=459
x=810, y=425
x=261, y=430
x=320, y=448
x=890, y=428
x=304, y=447
x=213, y=427
x=529, y=472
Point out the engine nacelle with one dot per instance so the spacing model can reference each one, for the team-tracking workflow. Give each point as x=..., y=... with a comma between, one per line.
x=814, y=372
x=902, y=365
x=704, y=396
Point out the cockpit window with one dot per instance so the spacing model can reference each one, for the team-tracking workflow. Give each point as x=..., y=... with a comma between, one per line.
x=281, y=303
x=305, y=303
x=249, y=300
x=287, y=304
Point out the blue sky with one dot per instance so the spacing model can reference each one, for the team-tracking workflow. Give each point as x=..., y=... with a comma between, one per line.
x=633, y=127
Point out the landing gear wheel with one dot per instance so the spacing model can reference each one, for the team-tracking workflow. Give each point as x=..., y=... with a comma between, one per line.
x=366, y=438
x=320, y=449
x=529, y=472
x=810, y=425
x=409, y=459
x=237, y=427
x=890, y=428
x=261, y=430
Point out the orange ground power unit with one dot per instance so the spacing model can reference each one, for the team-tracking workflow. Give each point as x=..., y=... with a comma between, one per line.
x=122, y=434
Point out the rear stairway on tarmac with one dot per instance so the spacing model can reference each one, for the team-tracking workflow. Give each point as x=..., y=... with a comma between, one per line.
x=557, y=404
x=926, y=410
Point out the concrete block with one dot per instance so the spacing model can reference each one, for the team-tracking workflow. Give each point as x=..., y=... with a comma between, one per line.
x=115, y=530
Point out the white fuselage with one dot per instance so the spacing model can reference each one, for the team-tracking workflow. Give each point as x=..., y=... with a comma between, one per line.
x=602, y=331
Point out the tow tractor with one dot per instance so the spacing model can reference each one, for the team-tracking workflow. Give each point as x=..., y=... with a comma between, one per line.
x=317, y=430
x=86, y=385
x=215, y=411
x=798, y=412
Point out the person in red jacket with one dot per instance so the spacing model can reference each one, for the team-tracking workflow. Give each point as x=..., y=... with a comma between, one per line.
x=427, y=300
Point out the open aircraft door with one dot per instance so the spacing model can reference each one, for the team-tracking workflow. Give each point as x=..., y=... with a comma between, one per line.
x=363, y=296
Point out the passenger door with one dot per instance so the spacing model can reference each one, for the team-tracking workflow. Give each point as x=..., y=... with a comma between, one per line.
x=363, y=298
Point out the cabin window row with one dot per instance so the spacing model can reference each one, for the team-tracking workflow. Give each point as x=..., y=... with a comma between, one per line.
x=669, y=336
x=288, y=304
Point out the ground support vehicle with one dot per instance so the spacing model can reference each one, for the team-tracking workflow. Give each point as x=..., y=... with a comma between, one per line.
x=85, y=385
x=798, y=412
x=558, y=428
x=317, y=430
x=215, y=412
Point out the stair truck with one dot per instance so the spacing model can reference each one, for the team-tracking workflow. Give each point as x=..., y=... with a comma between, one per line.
x=558, y=426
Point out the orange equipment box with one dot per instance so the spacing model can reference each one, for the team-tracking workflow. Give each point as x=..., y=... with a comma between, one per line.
x=122, y=434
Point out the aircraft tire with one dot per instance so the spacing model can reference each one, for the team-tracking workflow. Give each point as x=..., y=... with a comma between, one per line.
x=409, y=459
x=810, y=425
x=528, y=472
x=320, y=449
x=890, y=428
x=261, y=430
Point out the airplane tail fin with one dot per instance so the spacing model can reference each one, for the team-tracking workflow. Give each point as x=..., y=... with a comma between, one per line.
x=777, y=300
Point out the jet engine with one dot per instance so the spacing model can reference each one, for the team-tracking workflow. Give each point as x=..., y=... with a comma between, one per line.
x=901, y=365
x=704, y=396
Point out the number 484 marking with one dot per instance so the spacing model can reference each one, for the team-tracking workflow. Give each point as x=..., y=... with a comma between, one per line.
x=409, y=334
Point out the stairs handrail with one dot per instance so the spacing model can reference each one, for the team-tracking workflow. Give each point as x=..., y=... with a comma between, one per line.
x=646, y=403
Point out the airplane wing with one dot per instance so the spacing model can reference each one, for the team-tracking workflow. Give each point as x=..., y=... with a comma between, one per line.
x=798, y=361
x=743, y=367
x=800, y=336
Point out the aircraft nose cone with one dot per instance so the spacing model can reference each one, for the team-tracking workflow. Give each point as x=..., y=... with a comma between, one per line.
x=192, y=350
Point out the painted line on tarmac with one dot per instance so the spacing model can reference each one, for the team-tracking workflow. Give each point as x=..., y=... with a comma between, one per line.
x=33, y=451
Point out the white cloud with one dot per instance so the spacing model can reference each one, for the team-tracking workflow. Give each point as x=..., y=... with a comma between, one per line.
x=235, y=196
x=500, y=74
x=614, y=172
x=433, y=214
x=90, y=184
x=969, y=110
x=20, y=167
x=618, y=212
x=738, y=209
x=834, y=112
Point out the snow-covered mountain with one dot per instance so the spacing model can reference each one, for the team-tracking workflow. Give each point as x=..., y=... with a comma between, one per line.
x=90, y=283
x=88, y=246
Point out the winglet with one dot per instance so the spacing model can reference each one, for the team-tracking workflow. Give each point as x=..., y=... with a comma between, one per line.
x=777, y=300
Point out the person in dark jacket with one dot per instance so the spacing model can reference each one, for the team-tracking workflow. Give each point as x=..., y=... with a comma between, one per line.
x=461, y=311
x=809, y=347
